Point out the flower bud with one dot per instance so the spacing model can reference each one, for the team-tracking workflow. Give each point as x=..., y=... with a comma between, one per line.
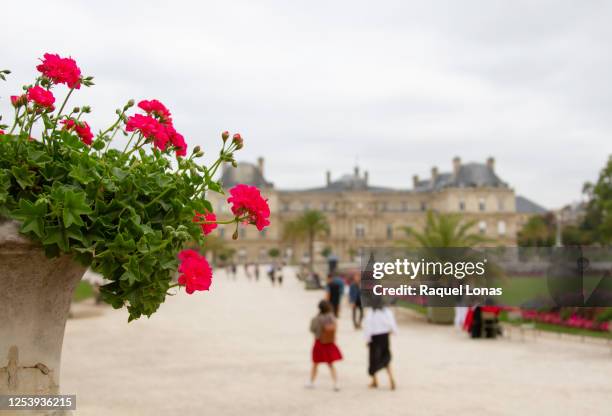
x=76, y=109
x=225, y=136
x=18, y=100
x=129, y=104
x=234, y=164
x=196, y=149
x=237, y=140
x=86, y=109
x=235, y=235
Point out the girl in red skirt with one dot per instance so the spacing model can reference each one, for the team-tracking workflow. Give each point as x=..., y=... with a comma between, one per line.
x=325, y=350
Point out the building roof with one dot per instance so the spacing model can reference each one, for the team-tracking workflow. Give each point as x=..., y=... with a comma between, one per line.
x=468, y=175
x=524, y=205
x=246, y=173
x=349, y=182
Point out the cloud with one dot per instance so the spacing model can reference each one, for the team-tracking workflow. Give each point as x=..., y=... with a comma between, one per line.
x=397, y=86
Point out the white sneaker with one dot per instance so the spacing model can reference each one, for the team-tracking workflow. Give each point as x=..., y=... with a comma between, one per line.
x=309, y=386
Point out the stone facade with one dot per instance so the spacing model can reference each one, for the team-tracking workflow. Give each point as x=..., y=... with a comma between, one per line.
x=363, y=215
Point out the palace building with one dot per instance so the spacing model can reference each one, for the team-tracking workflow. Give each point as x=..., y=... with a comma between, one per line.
x=364, y=215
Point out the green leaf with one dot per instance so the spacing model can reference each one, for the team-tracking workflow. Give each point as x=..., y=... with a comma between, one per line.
x=23, y=176
x=83, y=175
x=32, y=216
x=56, y=236
x=215, y=187
x=75, y=205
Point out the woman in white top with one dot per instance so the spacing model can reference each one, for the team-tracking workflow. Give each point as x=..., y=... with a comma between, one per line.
x=378, y=323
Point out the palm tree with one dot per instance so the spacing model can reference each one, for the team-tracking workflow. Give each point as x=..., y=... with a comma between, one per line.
x=442, y=231
x=309, y=225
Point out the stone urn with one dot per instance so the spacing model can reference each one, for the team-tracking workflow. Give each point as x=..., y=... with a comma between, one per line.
x=35, y=296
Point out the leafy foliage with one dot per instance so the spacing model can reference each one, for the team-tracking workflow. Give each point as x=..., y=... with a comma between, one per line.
x=598, y=219
x=443, y=230
x=309, y=225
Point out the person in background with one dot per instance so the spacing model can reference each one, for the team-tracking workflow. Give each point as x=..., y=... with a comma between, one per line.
x=355, y=300
x=324, y=350
x=272, y=273
x=335, y=290
x=378, y=324
x=280, y=268
x=256, y=267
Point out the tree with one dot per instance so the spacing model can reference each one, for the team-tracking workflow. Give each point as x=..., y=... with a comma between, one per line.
x=310, y=225
x=598, y=218
x=274, y=253
x=538, y=231
x=443, y=230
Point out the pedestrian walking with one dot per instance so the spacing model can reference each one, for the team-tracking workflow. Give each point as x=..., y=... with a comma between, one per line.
x=355, y=300
x=335, y=290
x=379, y=323
x=323, y=327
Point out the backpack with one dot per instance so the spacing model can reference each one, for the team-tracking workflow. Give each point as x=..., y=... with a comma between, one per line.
x=328, y=333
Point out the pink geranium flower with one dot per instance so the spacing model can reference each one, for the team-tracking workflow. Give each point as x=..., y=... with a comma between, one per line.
x=247, y=202
x=154, y=107
x=41, y=97
x=195, y=272
x=81, y=128
x=61, y=70
x=206, y=221
x=149, y=128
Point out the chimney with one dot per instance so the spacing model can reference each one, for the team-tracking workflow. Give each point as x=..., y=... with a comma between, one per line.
x=415, y=181
x=434, y=175
x=328, y=178
x=491, y=163
x=356, y=171
x=366, y=176
x=260, y=165
x=456, y=165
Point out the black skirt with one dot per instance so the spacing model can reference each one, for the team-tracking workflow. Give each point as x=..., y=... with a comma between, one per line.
x=380, y=354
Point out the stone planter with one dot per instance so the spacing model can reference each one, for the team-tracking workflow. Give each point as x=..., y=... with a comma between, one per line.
x=35, y=296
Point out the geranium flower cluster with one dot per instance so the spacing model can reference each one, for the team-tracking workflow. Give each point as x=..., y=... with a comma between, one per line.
x=60, y=70
x=81, y=128
x=248, y=203
x=157, y=126
x=194, y=271
x=207, y=221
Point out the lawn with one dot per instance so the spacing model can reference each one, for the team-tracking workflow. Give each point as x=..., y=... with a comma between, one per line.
x=83, y=291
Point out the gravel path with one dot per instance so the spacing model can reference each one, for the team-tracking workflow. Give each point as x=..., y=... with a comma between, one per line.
x=244, y=349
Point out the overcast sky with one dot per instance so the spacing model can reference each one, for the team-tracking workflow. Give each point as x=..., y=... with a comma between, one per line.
x=397, y=86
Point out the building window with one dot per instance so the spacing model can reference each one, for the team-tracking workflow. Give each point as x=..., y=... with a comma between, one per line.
x=481, y=204
x=359, y=231
x=462, y=205
x=500, y=205
x=242, y=232
x=263, y=254
x=221, y=232
x=389, y=232
x=482, y=227
x=383, y=206
x=404, y=206
x=285, y=207
x=423, y=206
x=306, y=206
x=501, y=228
x=324, y=207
